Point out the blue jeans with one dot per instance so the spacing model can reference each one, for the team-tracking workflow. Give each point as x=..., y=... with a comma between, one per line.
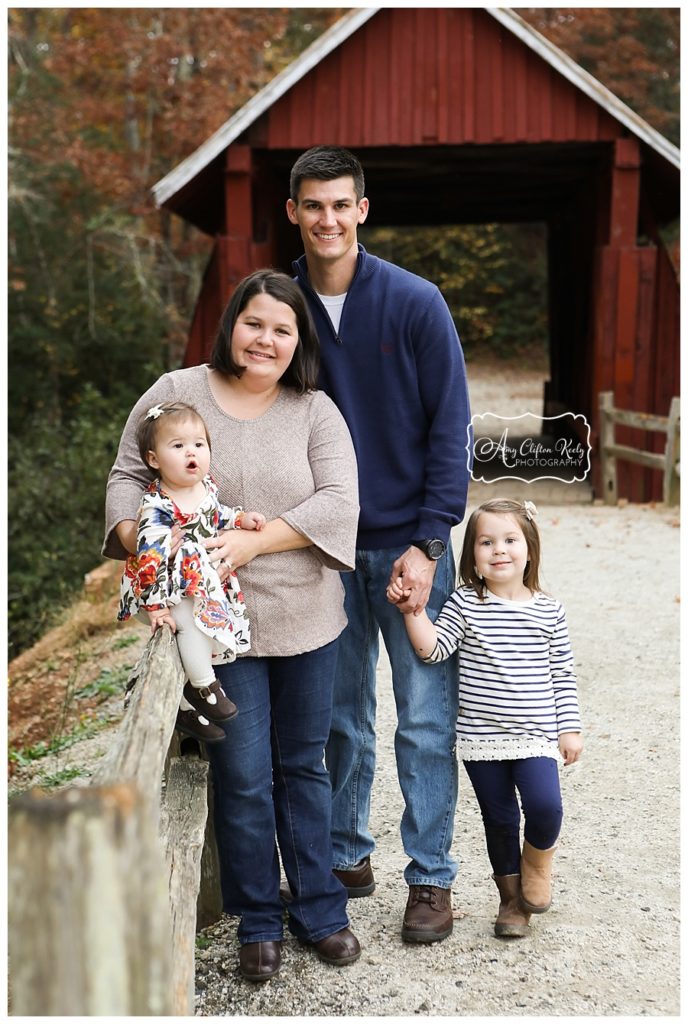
x=270, y=780
x=495, y=784
x=426, y=702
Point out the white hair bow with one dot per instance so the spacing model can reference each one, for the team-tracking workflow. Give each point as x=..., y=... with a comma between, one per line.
x=530, y=510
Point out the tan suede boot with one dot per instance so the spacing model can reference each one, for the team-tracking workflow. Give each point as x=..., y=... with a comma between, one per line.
x=512, y=920
x=536, y=878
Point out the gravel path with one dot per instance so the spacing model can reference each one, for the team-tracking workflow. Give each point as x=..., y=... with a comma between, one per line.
x=610, y=943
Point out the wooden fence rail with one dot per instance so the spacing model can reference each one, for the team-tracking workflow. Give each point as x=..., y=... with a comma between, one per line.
x=667, y=461
x=104, y=880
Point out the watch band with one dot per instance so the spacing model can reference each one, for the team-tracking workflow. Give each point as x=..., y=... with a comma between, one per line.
x=432, y=548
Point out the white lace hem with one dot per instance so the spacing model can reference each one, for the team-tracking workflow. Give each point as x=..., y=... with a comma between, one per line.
x=508, y=749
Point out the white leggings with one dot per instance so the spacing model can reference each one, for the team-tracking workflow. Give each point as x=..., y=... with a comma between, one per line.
x=195, y=647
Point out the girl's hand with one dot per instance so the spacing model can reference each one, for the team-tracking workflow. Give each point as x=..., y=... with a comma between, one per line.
x=396, y=592
x=253, y=521
x=161, y=617
x=570, y=746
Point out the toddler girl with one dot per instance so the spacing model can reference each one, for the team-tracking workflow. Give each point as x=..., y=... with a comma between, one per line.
x=518, y=708
x=184, y=589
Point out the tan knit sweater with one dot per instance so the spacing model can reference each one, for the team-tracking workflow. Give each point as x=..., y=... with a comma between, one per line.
x=297, y=462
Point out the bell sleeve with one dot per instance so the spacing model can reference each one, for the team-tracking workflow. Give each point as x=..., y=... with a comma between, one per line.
x=129, y=476
x=329, y=517
x=153, y=542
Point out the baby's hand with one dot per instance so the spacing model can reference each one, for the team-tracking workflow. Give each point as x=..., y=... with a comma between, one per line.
x=570, y=746
x=252, y=521
x=161, y=617
x=395, y=591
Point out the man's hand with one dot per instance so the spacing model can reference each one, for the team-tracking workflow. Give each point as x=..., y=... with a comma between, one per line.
x=415, y=572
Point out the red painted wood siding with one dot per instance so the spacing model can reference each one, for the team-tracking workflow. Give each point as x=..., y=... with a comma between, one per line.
x=414, y=76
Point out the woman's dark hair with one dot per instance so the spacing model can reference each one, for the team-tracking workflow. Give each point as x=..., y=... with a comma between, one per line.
x=302, y=372
x=504, y=507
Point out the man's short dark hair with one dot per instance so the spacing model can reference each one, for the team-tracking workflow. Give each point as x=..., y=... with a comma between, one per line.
x=325, y=163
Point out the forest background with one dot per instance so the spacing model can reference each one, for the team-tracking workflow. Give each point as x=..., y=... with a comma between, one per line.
x=103, y=102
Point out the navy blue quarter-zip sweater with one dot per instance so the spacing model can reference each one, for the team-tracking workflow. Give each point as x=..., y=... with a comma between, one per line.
x=396, y=371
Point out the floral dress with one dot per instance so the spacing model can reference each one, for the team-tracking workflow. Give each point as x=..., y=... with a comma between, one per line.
x=153, y=580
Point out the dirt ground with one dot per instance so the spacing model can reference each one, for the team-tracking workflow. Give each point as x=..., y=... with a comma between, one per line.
x=609, y=946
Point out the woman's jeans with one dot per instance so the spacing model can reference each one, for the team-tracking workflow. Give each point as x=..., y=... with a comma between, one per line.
x=426, y=702
x=495, y=784
x=270, y=779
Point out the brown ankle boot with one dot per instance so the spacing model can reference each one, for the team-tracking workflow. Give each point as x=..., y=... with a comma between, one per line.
x=536, y=878
x=512, y=920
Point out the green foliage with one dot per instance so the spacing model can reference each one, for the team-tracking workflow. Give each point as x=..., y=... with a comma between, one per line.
x=27, y=755
x=493, y=276
x=111, y=681
x=60, y=778
x=86, y=338
x=56, y=492
x=124, y=641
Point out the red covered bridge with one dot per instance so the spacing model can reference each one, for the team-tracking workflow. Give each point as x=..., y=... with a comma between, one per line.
x=466, y=116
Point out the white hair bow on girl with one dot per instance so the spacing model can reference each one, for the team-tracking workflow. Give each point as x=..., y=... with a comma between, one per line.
x=530, y=510
x=154, y=412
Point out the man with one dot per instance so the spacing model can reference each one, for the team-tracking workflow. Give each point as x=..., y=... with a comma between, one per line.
x=392, y=362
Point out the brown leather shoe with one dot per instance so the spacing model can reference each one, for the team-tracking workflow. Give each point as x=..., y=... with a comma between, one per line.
x=190, y=723
x=358, y=880
x=211, y=701
x=428, y=916
x=340, y=948
x=259, y=961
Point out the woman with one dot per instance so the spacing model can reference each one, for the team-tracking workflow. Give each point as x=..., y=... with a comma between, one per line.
x=282, y=448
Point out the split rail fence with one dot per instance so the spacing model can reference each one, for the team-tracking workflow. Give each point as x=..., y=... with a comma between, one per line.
x=668, y=461
x=108, y=882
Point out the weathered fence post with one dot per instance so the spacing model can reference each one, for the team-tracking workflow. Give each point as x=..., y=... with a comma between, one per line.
x=106, y=880
x=672, y=454
x=143, y=737
x=610, y=451
x=89, y=931
x=182, y=827
x=607, y=461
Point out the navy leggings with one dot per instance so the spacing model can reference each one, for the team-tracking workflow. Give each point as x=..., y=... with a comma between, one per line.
x=495, y=784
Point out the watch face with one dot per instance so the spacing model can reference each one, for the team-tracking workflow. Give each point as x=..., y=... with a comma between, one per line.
x=435, y=549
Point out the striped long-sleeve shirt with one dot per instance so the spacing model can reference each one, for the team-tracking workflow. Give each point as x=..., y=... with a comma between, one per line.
x=517, y=687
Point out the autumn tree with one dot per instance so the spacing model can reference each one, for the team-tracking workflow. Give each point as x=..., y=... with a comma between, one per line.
x=102, y=102
x=634, y=51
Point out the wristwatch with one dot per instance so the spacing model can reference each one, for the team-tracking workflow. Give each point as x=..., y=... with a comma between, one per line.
x=433, y=549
